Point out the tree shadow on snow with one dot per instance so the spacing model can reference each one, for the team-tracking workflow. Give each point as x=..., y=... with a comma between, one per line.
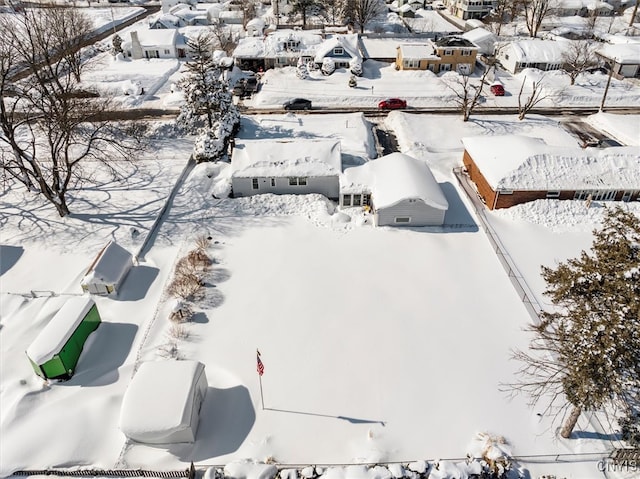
x=137, y=283
x=595, y=435
x=9, y=256
x=226, y=418
x=103, y=353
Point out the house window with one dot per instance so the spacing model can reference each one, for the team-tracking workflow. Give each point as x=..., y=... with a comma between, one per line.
x=297, y=181
x=445, y=67
x=553, y=194
x=167, y=52
x=466, y=53
x=338, y=51
x=366, y=200
x=254, y=183
x=447, y=53
x=273, y=182
x=357, y=200
x=402, y=219
x=411, y=63
x=505, y=192
x=346, y=200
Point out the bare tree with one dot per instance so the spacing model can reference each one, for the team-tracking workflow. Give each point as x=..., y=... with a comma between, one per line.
x=248, y=12
x=578, y=57
x=634, y=14
x=586, y=352
x=534, y=12
x=467, y=91
x=47, y=131
x=363, y=11
x=503, y=12
x=536, y=95
x=222, y=38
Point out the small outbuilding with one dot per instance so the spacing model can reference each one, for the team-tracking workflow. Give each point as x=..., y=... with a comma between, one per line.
x=162, y=403
x=401, y=191
x=286, y=167
x=108, y=270
x=56, y=350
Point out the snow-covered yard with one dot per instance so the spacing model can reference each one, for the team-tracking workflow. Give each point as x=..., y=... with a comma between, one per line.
x=379, y=344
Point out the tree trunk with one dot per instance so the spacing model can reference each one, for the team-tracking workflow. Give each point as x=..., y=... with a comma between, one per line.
x=570, y=423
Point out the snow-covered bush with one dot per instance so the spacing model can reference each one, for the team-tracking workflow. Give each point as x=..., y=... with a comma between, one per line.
x=356, y=67
x=302, y=72
x=328, y=66
x=116, y=45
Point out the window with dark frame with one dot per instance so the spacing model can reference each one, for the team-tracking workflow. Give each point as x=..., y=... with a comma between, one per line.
x=346, y=200
x=402, y=219
x=254, y=183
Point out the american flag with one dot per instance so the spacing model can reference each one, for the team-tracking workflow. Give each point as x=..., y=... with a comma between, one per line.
x=260, y=367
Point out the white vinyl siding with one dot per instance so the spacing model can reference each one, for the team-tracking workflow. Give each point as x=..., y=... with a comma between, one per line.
x=418, y=212
x=324, y=185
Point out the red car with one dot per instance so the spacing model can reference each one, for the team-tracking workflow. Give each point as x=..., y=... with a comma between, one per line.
x=392, y=104
x=497, y=89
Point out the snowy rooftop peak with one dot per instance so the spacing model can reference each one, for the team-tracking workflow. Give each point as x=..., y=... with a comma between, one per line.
x=278, y=158
x=397, y=177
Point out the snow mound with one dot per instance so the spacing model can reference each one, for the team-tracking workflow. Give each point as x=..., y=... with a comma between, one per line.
x=245, y=469
x=563, y=216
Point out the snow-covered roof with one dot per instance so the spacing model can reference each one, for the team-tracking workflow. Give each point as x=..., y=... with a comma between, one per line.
x=280, y=158
x=479, y=35
x=155, y=37
x=109, y=266
x=397, y=177
x=516, y=162
x=537, y=51
x=626, y=53
x=57, y=332
x=385, y=47
x=417, y=50
x=159, y=399
x=348, y=42
x=274, y=44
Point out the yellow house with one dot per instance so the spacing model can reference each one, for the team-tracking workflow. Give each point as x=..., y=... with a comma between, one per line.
x=446, y=54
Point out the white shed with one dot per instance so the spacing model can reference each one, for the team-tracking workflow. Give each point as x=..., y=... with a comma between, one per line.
x=403, y=191
x=162, y=403
x=286, y=167
x=108, y=270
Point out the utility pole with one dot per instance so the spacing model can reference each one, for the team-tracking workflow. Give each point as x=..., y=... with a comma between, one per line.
x=606, y=89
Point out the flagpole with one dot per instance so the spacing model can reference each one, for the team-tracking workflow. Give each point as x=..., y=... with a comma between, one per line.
x=261, y=396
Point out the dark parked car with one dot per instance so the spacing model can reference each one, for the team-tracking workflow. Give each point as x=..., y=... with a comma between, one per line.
x=497, y=89
x=251, y=85
x=297, y=104
x=392, y=104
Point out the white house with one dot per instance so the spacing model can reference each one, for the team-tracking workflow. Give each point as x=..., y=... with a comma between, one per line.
x=108, y=270
x=286, y=167
x=400, y=189
x=481, y=38
x=342, y=49
x=163, y=401
x=541, y=54
x=622, y=58
x=152, y=43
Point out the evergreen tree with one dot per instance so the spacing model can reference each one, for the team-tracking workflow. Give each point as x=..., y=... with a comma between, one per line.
x=116, y=45
x=208, y=109
x=587, y=349
x=205, y=94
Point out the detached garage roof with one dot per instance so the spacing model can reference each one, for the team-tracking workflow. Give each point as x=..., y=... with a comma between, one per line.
x=58, y=331
x=397, y=177
x=515, y=162
x=111, y=264
x=282, y=158
x=159, y=405
x=627, y=53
